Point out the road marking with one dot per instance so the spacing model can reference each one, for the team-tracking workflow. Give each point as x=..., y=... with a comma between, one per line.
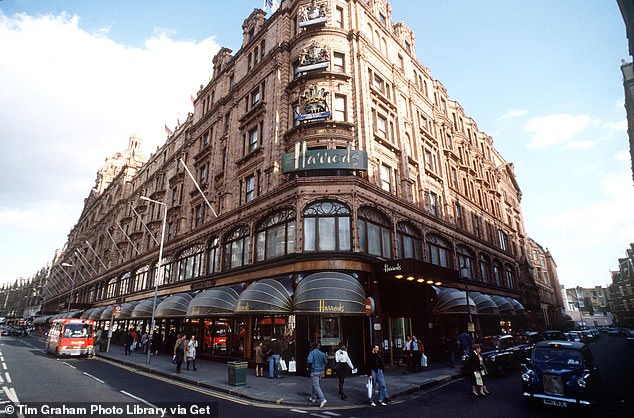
x=299, y=411
x=332, y=414
x=4, y=366
x=8, y=377
x=139, y=399
x=94, y=377
x=10, y=392
x=69, y=365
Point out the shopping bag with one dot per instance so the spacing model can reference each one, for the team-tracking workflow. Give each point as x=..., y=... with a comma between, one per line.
x=283, y=365
x=368, y=385
x=423, y=360
x=174, y=359
x=478, y=378
x=292, y=366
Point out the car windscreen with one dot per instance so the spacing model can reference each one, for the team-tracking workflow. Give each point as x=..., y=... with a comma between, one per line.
x=488, y=344
x=77, y=330
x=556, y=358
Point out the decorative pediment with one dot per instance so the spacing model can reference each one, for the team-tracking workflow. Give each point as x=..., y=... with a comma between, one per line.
x=313, y=14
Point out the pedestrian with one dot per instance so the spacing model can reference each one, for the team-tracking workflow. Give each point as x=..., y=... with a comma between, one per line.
x=275, y=350
x=157, y=339
x=465, y=341
x=179, y=351
x=343, y=366
x=477, y=371
x=375, y=374
x=135, y=339
x=259, y=360
x=316, y=364
x=144, y=342
x=408, y=353
x=127, y=342
x=415, y=348
x=98, y=338
x=190, y=357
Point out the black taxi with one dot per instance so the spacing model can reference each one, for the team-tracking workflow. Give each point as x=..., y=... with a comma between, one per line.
x=561, y=373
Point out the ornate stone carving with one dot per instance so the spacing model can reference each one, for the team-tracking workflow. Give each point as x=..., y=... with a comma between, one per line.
x=313, y=104
x=312, y=14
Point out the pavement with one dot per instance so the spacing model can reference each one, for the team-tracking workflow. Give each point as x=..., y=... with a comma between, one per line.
x=291, y=390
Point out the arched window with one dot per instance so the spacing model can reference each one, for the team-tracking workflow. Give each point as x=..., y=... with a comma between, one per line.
x=466, y=263
x=275, y=236
x=124, y=284
x=409, y=242
x=485, y=268
x=237, y=246
x=213, y=255
x=375, y=233
x=190, y=263
x=509, y=276
x=111, y=288
x=327, y=227
x=141, y=278
x=439, y=251
x=497, y=273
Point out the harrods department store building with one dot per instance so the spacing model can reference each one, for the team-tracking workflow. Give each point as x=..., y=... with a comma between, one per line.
x=335, y=172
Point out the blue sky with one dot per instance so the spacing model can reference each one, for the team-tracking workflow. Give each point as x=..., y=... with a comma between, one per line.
x=77, y=78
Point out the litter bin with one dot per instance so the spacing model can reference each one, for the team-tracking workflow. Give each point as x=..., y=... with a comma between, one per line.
x=237, y=372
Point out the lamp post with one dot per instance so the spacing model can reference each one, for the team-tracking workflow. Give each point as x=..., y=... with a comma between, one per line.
x=579, y=302
x=160, y=271
x=72, y=285
x=470, y=327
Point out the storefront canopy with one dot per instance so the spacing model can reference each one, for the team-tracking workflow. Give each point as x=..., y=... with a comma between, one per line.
x=106, y=314
x=453, y=301
x=174, y=306
x=87, y=313
x=504, y=305
x=329, y=293
x=41, y=319
x=96, y=314
x=267, y=296
x=519, y=309
x=126, y=310
x=144, y=308
x=73, y=314
x=484, y=303
x=212, y=302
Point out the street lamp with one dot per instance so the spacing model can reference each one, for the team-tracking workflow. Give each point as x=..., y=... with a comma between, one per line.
x=72, y=286
x=470, y=327
x=160, y=271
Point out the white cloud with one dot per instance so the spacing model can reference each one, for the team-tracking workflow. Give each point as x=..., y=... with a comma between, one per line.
x=555, y=129
x=69, y=99
x=512, y=113
x=623, y=156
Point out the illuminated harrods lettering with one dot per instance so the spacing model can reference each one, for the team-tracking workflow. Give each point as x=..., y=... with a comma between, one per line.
x=244, y=307
x=324, y=159
x=388, y=268
x=330, y=308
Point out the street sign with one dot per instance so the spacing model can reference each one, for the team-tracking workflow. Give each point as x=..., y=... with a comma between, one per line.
x=369, y=306
x=117, y=310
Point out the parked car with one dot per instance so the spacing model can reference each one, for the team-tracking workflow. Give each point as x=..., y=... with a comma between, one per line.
x=630, y=336
x=561, y=373
x=500, y=353
x=524, y=342
x=5, y=330
x=553, y=334
x=575, y=336
x=19, y=331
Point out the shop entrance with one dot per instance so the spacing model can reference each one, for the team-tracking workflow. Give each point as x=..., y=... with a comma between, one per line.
x=396, y=329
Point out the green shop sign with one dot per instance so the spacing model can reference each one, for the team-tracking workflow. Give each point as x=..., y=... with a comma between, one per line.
x=324, y=159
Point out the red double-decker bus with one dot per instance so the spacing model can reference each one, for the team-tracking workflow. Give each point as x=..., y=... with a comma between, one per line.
x=71, y=337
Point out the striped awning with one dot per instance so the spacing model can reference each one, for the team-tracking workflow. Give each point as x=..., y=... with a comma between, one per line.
x=453, y=301
x=484, y=303
x=213, y=302
x=96, y=314
x=107, y=313
x=266, y=296
x=518, y=307
x=144, y=308
x=174, y=306
x=504, y=306
x=329, y=293
x=126, y=309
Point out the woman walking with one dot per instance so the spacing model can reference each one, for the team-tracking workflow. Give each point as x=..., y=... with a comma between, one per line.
x=343, y=366
x=477, y=371
x=179, y=351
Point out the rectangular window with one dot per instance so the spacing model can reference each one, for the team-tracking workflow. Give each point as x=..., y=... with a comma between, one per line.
x=262, y=50
x=382, y=19
x=381, y=126
x=340, y=112
x=255, y=97
x=249, y=188
x=401, y=62
x=339, y=62
x=430, y=160
x=379, y=84
x=433, y=204
x=202, y=174
x=253, y=140
x=386, y=181
x=339, y=17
